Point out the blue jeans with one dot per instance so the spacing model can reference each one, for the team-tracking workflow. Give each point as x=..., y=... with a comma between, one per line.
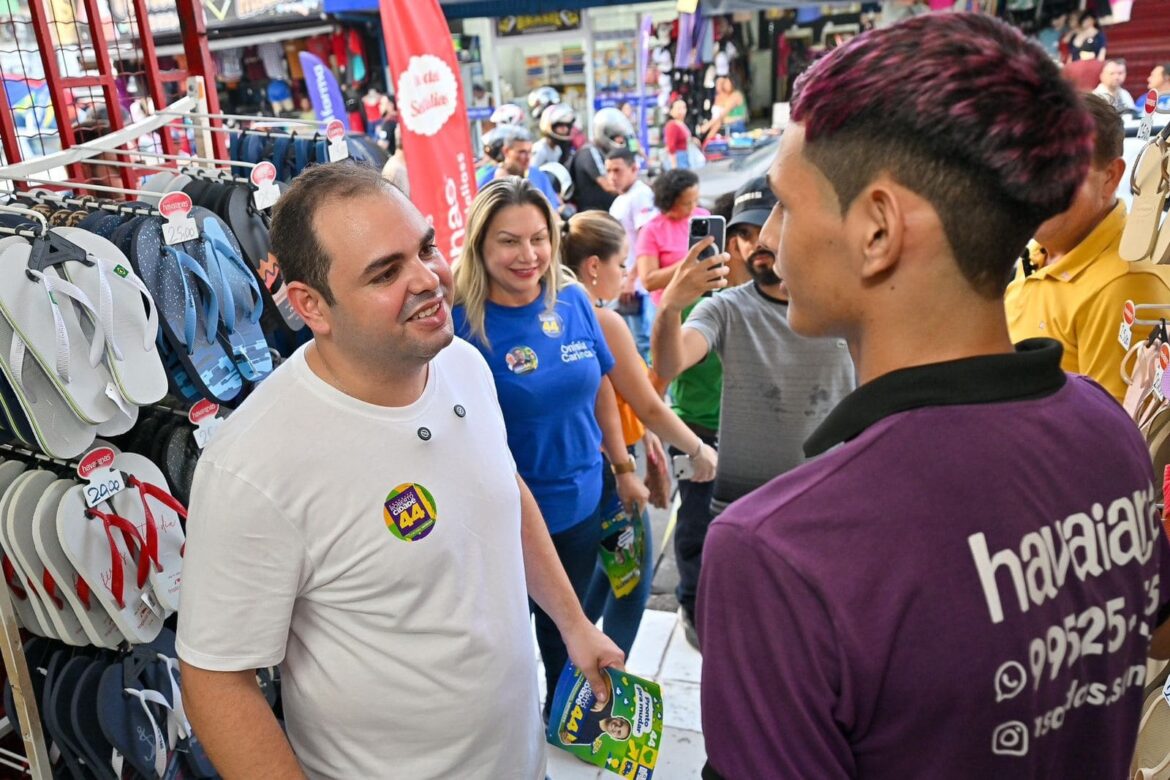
x=620, y=617
x=577, y=549
x=690, y=531
x=640, y=325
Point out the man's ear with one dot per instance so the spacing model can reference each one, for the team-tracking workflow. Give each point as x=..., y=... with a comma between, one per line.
x=1113, y=173
x=879, y=214
x=310, y=305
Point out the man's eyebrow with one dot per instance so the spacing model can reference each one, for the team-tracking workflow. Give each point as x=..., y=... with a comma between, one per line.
x=381, y=263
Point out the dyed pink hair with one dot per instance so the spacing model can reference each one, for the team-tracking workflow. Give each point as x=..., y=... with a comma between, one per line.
x=961, y=88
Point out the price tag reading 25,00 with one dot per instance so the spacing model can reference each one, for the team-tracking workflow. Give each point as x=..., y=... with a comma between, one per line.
x=102, y=481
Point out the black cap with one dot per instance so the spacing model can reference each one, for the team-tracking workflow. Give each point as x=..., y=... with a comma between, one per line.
x=753, y=203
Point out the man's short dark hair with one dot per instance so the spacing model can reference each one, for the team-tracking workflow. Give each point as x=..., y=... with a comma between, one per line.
x=1108, y=130
x=1116, y=61
x=294, y=241
x=623, y=154
x=980, y=124
x=670, y=185
x=1165, y=66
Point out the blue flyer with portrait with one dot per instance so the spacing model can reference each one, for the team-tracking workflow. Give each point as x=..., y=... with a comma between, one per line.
x=622, y=735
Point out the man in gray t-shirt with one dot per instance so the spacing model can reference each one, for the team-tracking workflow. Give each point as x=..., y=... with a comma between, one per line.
x=777, y=386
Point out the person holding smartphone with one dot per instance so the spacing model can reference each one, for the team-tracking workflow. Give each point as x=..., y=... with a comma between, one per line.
x=664, y=240
x=777, y=386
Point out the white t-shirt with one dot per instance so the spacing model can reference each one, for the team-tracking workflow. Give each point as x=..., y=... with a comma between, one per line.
x=634, y=208
x=398, y=658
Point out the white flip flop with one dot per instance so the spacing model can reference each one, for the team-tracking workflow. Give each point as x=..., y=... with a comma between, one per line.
x=97, y=623
x=26, y=491
x=40, y=308
x=58, y=431
x=1150, y=182
x=95, y=541
x=120, y=423
x=28, y=607
x=127, y=315
x=155, y=512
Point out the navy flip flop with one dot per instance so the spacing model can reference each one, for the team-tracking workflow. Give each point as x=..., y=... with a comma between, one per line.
x=83, y=719
x=133, y=718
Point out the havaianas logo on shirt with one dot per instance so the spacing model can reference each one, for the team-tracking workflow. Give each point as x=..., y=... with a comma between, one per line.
x=409, y=512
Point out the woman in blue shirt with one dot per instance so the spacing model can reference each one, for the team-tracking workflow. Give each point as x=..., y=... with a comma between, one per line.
x=549, y=359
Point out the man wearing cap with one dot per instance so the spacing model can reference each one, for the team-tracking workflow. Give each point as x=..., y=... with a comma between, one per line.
x=777, y=386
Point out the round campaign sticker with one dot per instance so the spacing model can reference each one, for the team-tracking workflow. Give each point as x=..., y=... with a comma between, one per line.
x=409, y=512
x=551, y=324
x=521, y=360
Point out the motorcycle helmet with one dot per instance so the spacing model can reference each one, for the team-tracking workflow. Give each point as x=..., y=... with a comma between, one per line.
x=541, y=98
x=500, y=136
x=508, y=114
x=610, y=124
x=554, y=116
x=560, y=178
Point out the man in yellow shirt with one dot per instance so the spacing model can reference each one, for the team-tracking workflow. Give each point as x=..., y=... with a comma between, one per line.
x=1071, y=284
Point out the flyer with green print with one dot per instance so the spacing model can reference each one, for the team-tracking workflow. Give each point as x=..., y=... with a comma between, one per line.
x=623, y=544
x=622, y=735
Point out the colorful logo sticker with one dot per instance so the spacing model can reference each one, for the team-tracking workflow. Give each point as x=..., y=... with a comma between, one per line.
x=521, y=360
x=551, y=324
x=409, y=512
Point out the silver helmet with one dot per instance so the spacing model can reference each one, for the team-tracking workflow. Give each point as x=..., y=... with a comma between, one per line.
x=555, y=115
x=609, y=125
x=560, y=178
x=508, y=114
x=541, y=98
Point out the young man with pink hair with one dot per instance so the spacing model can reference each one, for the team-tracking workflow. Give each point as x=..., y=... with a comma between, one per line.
x=965, y=579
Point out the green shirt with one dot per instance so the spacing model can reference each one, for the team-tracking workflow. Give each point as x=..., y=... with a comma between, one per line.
x=695, y=394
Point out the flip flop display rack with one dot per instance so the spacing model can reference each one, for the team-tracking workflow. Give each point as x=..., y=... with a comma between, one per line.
x=130, y=319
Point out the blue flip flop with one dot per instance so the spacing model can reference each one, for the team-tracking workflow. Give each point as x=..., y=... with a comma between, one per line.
x=241, y=303
x=189, y=311
x=132, y=718
x=55, y=735
x=60, y=687
x=83, y=716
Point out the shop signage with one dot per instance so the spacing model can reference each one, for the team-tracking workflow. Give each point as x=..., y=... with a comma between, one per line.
x=554, y=21
x=219, y=13
x=436, y=134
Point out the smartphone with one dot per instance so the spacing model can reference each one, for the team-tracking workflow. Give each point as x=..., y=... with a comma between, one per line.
x=701, y=227
x=682, y=466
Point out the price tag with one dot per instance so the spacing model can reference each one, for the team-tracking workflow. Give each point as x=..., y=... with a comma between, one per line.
x=1148, y=115
x=1125, y=335
x=207, y=417
x=179, y=227
x=338, y=149
x=266, y=193
x=1160, y=371
x=103, y=481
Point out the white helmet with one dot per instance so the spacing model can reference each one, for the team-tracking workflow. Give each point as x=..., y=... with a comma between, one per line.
x=541, y=98
x=609, y=124
x=508, y=114
x=554, y=115
x=560, y=178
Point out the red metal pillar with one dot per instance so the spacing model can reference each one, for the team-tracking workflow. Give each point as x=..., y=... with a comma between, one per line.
x=199, y=63
x=48, y=54
x=150, y=67
x=97, y=36
x=8, y=133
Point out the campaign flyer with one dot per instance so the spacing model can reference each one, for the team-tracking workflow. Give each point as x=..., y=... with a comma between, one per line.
x=622, y=735
x=623, y=544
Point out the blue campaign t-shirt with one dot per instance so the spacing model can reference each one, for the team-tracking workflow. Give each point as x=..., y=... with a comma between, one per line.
x=548, y=367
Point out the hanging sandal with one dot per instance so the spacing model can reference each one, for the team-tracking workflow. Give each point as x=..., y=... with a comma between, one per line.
x=1150, y=183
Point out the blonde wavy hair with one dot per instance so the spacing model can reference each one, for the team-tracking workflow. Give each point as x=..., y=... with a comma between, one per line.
x=472, y=283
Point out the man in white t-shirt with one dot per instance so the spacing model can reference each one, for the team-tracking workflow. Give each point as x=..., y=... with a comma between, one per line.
x=360, y=522
x=633, y=207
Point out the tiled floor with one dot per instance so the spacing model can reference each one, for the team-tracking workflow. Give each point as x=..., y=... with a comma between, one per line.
x=660, y=653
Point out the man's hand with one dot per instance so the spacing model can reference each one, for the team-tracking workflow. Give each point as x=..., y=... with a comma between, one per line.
x=592, y=651
x=632, y=491
x=704, y=463
x=629, y=288
x=693, y=277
